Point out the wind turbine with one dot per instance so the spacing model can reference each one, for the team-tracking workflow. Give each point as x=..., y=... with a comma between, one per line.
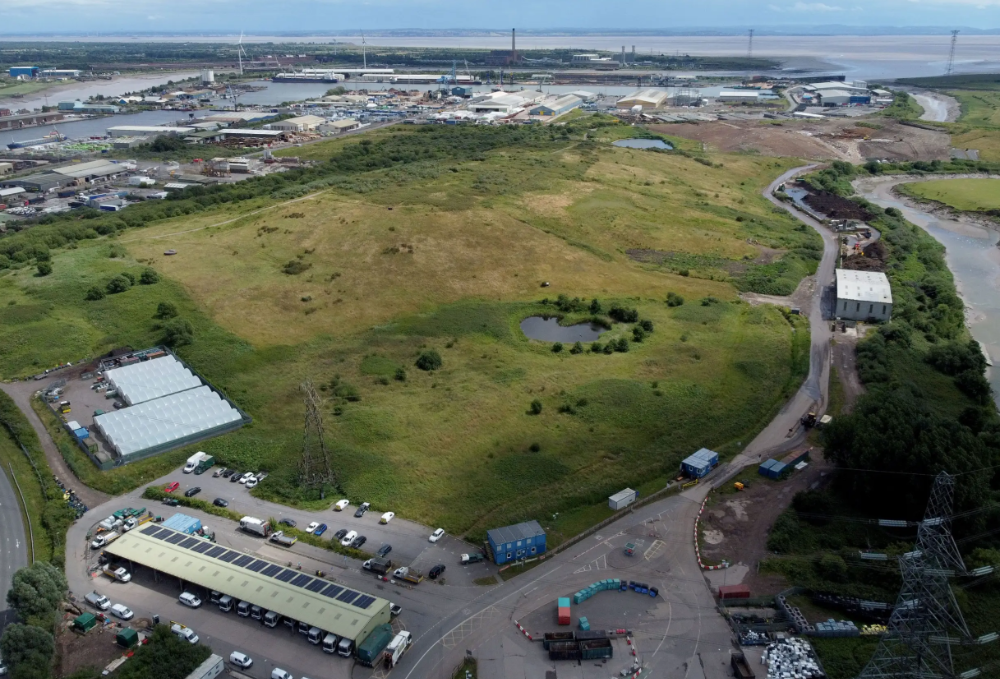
x=364, y=50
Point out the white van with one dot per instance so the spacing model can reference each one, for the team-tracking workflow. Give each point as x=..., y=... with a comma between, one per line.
x=256, y=612
x=278, y=673
x=349, y=538
x=226, y=603
x=330, y=643
x=271, y=619
x=345, y=647
x=315, y=635
x=243, y=609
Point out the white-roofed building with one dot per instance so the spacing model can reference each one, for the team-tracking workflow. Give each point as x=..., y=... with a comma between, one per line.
x=584, y=95
x=554, y=106
x=299, y=124
x=152, y=379
x=863, y=295
x=505, y=102
x=738, y=97
x=647, y=99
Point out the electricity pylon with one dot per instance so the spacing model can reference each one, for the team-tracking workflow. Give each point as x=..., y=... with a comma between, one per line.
x=315, y=470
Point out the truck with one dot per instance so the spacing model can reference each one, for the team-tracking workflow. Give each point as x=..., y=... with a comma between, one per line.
x=475, y=557
x=119, y=574
x=397, y=647
x=283, y=540
x=370, y=650
x=255, y=526
x=193, y=462
x=104, y=539
x=98, y=601
x=207, y=462
x=377, y=565
x=741, y=668
x=408, y=574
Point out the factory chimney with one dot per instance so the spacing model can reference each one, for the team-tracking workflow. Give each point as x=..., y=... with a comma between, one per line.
x=623, y=55
x=513, y=41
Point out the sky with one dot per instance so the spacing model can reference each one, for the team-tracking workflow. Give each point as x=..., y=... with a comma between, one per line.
x=270, y=16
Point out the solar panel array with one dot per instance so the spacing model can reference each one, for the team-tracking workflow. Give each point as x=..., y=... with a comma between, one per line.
x=261, y=567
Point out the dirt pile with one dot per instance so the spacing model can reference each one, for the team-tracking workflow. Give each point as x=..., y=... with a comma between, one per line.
x=873, y=260
x=835, y=207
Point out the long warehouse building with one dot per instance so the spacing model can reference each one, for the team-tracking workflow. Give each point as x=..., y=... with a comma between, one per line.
x=290, y=593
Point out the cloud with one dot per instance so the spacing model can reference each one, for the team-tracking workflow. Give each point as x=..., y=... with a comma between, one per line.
x=815, y=7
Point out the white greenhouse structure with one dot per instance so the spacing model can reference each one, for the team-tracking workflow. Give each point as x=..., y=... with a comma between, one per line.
x=149, y=380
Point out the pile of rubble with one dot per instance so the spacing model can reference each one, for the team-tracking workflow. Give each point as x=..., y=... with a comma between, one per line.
x=791, y=658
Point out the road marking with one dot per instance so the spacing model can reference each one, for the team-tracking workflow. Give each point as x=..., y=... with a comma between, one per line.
x=654, y=549
x=469, y=626
x=598, y=564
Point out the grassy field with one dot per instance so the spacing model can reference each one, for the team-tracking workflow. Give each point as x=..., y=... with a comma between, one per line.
x=11, y=87
x=961, y=194
x=347, y=285
x=979, y=125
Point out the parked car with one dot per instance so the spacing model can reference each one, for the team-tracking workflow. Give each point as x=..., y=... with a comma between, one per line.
x=218, y=472
x=383, y=550
x=246, y=477
x=339, y=535
x=241, y=660
x=387, y=517
x=436, y=571
x=436, y=535
x=191, y=492
x=226, y=473
x=288, y=522
x=278, y=673
x=171, y=487
x=341, y=505
x=359, y=542
x=365, y=506
x=252, y=482
x=320, y=529
x=220, y=502
x=348, y=538
x=312, y=526
x=171, y=502
x=395, y=609
x=189, y=599
x=236, y=476
x=122, y=611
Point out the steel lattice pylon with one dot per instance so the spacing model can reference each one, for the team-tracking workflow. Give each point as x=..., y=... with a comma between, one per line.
x=315, y=471
x=926, y=620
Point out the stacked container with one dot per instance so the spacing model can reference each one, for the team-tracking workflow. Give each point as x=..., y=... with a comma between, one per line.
x=599, y=586
x=564, y=615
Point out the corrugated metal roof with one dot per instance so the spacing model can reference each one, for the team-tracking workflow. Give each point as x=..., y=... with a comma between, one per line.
x=622, y=495
x=519, y=531
x=863, y=286
x=288, y=592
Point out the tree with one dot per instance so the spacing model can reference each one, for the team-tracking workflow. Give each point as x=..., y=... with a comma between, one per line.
x=638, y=334
x=536, y=407
x=94, y=294
x=178, y=332
x=27, y=651
x=36, y=590
x=673, y=299
x=44, y=268
x=577, y=348
x=429, y=360
x=166, y=310
x=595, y=306
x=149, y=277
x=119, y=283
x=557, y=347
x=165, y=657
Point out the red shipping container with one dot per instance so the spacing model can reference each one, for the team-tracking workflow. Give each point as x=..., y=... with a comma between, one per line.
x=564, y=616
x=734, y=592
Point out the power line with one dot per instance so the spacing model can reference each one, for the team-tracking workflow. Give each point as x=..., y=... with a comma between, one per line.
x=750, y=45
x=951, y=53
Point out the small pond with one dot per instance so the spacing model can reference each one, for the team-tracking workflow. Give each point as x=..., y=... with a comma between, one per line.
x=549, y=330
x=643, y=144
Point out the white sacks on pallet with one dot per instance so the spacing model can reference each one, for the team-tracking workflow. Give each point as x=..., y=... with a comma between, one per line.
x=791, y=658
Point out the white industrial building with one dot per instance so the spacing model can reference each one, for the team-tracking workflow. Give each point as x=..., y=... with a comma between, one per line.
x=584, y=95
x=738, y=97
x=145, y=381
x=148, y=131
x=555, y=106
x=299, y=124
x=95, y=169
x=339, y=126
x=857, y=87
x=647, y=99
x=863, y=295
x=505, y=102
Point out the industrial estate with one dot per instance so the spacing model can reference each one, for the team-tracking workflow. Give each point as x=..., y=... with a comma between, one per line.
x=327, y=359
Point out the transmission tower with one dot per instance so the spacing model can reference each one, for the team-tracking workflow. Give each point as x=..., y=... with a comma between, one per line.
x=315, y=471
x=927, y=622
x=750, y=45
x=951, y=53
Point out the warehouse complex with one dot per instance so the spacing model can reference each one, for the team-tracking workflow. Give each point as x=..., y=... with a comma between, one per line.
x=863, y=295
x=290, y=593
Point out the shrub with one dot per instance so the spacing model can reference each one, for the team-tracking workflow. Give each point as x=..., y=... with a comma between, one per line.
x=646, y=326
x=622, y=314
x=577, y=348
x=119, y=283
x=557, y=347
x=295, y=267
x=129, y=276
x=534, y=447
x=178, y=332
x=95, y=293
x=709, y=301
x=400, y=375
x=149, y=277
x=166, y=310
x=621, y=345
x=595, y=306
x=429, y=360
x=596, y=348
x=536, y=407
x=609, y=348
x=44, y=268
x=638, y=334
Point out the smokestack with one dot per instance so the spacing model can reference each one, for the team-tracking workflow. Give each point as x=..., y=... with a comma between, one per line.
x=513, y=41
x=623, y=55
x=633, y=54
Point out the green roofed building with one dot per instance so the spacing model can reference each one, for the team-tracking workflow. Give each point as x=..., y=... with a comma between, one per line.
x=85, y=622
x=290, y=593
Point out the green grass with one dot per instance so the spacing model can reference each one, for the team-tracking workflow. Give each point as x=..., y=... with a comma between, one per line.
x=973, y=195
x=844, y=658
x=8, y=88
x=467, y=670
x=903, y=107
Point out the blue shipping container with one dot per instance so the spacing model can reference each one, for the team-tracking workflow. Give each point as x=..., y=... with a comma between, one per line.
x=695, y=467
x=81, y=433
x=709, y=455
x=765, y=467
x=776, y=470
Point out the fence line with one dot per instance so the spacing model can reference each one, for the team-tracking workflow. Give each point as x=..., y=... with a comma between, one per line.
x=27, y=514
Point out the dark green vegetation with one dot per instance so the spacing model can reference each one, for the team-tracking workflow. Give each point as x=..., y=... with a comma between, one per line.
x=35, y=595
x=166, y=656
x=903, y=107
x=963, y=81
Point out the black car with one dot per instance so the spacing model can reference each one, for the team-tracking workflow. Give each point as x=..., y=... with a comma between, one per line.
x=226, y=473
x=358, y=541
x=219, y=502
x=288, y=522
x=190, y=492
x=339, y=535
x=436, y=571
x=362, y=509
x=171, y=502
x=235, y=477
x=383, y=550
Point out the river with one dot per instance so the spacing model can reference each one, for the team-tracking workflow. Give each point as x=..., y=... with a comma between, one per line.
x=972, y=256
x=84, y=90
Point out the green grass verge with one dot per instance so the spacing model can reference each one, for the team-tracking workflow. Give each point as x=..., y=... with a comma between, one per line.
x=844, y=658
x=467, y=670
x=903, y=107
x=967, y=195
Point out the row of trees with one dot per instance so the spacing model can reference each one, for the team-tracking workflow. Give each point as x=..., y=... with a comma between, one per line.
x=27, y=647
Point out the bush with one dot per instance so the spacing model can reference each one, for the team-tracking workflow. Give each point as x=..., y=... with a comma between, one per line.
x=129, y=276
x=638, y=334
x=647, y=326
x=149, y=277
x=295, y=267
x=94, y=294
x=595, y=306
x=621, y=345
x=44, y=268
x=577, y=348
x=709, y=301
x=536, y=407
x=166, y=310
x=609, y=348
x=622, y=314
x=178, y=332
x=119, y=283
x=400, y=375
x=557, y=347
x=596, y=348
x=429, y=360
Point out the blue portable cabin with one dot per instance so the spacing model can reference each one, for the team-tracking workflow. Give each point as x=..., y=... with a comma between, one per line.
x=520, y=541
x=81, y=433
x=183, y=523
x=700, y=463
x=765, y=467
x=710, y=455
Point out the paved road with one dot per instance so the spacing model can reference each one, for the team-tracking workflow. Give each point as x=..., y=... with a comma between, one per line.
x=13, y=542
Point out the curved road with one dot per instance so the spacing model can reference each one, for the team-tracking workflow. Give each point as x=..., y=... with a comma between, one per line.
x=13, y=541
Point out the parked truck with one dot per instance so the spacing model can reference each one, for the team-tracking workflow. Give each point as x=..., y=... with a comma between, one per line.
x=283, y=540
x=741, y=668
x=475, y=557
x=397, y=647
x=255, y=526
x=408, y=574
x=370, y=650
x=207, y=462
x=119, y=574
x=194, y=461
x=377, y=565
x=104, y=539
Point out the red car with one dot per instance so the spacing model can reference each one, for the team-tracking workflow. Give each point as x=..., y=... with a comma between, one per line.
x=171, y=487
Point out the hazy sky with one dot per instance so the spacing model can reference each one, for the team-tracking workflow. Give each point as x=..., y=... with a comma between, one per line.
x=261, y=16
